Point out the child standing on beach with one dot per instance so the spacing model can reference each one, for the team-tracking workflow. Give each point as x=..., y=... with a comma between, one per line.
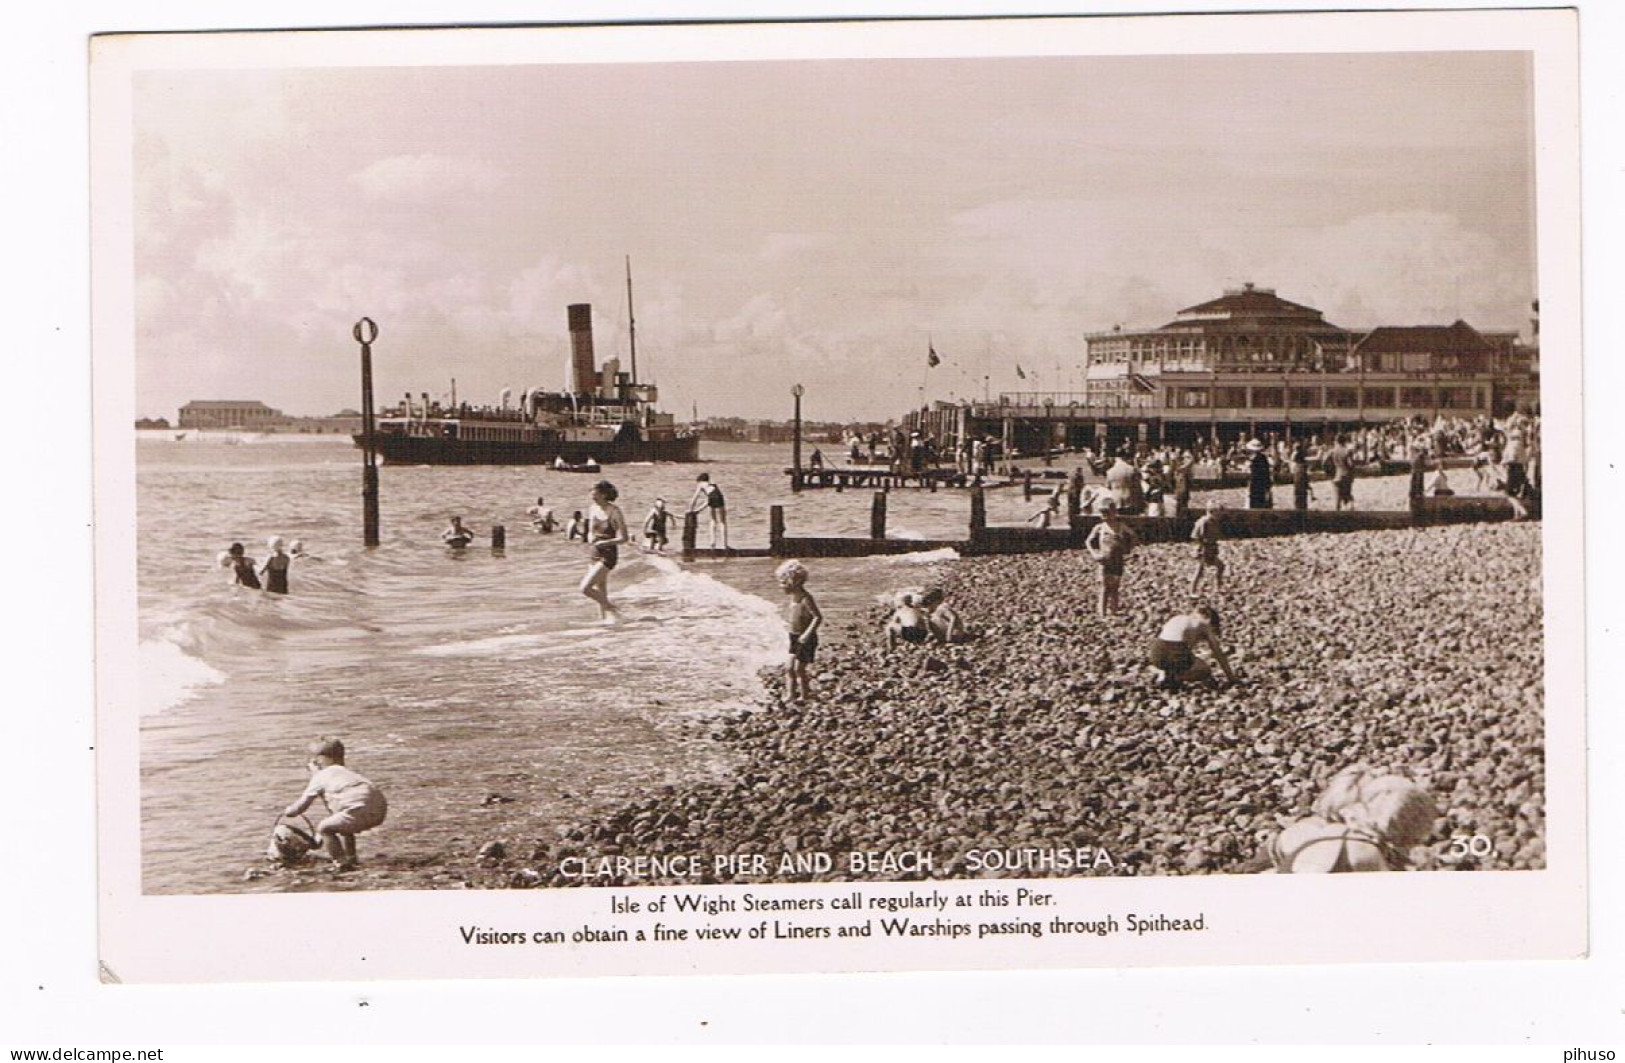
x=353, y=803
x=802, y=619
x=1205, y=534
x=1109, y=543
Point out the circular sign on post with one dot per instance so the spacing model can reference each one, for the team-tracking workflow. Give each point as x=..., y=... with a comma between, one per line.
x=798, y=391
x=365, y=331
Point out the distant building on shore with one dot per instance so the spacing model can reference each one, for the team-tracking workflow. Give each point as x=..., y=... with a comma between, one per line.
x=151, y=422
x=1250, y=363
x=249, y=414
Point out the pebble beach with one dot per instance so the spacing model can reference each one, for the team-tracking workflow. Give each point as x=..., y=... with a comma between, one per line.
x=1418, y=651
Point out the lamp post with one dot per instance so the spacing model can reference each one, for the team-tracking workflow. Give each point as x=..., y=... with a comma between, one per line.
x=795, y=456
x=365, y=331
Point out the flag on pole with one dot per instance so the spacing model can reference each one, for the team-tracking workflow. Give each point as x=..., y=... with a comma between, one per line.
x=931, y=359
x=1019, y=371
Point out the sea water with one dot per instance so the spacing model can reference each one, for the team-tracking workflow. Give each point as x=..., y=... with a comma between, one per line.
x=453, y=674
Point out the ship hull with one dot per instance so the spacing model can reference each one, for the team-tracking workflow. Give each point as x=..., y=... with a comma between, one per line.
x=424, y=450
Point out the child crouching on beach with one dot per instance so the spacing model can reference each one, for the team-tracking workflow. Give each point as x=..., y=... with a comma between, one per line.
x=802, y=619
x=353, y=803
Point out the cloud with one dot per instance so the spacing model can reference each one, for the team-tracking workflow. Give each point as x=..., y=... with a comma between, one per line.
x=414, y=179
x=779, y=246
x=1404, y=268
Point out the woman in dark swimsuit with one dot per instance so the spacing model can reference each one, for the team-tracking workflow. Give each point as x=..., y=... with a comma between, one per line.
x=606, y=531
x=275, y=570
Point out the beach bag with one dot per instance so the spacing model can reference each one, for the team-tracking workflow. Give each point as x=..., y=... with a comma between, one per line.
x=289, y=844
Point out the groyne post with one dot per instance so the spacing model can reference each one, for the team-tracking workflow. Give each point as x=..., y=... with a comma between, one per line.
x=691, y=531
x=1074, y=497
x=499, y=539
x=978, y=511
x=1027, y=486
x=877, y=516
x=775, y=529
x=1418, y=485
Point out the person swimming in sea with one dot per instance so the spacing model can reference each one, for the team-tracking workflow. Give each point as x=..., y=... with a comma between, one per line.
x=275, y=569
x=541, y=516
x=606, y=531
x=457, y=536
x=242, y=567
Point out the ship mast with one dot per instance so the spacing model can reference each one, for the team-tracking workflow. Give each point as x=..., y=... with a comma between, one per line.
x=631, y=322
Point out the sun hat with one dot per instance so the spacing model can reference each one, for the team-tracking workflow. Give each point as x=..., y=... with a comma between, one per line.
x=1254, y=445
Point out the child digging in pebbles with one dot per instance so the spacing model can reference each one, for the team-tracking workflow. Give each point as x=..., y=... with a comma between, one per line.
x=1173, y=651
x=353, y=803
x=802, y=619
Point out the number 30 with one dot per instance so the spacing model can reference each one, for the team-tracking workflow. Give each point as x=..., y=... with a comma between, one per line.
x=1463, y=846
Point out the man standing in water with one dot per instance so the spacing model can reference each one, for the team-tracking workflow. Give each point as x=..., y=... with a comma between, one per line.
x=606, y=531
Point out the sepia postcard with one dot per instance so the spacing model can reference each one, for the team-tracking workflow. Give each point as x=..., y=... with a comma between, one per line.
x=839, y=496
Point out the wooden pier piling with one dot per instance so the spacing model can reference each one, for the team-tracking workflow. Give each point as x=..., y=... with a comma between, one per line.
x=877, y=516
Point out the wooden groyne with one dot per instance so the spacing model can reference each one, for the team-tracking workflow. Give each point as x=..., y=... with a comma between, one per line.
x=982, y=539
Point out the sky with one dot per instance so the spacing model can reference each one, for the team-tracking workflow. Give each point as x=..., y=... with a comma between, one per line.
x=817, y=222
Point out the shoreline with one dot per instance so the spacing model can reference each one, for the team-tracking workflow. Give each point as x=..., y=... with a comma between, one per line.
x=1418, y=650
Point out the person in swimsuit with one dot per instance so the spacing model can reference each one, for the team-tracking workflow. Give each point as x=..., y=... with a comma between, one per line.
x=1205, y=534
x=242, y=567
x=606, y=531
x=908, y=623
x=1046, y=516
x=1173, y=651
x=275, y=569
x=802, y=620
x=943, y=621
x=578, y=526
x=1362, y=822
x=1109, y=543
x=654, y=527
x=708, y=496
x=457, y=536
x=541, y=516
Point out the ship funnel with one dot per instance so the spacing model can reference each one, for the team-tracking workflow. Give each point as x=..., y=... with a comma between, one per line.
x=583, y=365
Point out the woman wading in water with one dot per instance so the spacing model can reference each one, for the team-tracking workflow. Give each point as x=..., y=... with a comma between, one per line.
x=606, y=531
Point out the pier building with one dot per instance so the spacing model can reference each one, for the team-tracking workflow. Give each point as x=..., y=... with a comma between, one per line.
x=1247, y=364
